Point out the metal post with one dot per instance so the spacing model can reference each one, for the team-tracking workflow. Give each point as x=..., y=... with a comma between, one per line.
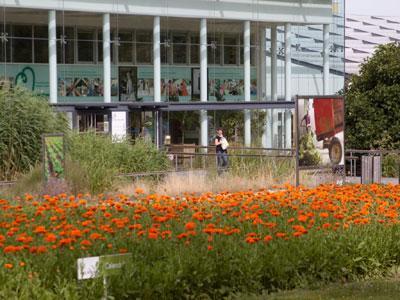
x=297, y=152
x=247, y=113
x=106, y=58
x=263, y=67
x=263, y=85
x=274, y=81
x=326, y=58
x=52, y=56
x=157, y=59
x=274, y=63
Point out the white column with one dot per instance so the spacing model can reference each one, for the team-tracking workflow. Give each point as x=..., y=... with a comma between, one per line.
x=274, y=63
x=157, y=59
x=288, y=62
x=274, y=83
x=52, y=57
x=247, y=113
x=326, y=58
x=262, y=82
x=263, y=67
x=288, y=84
x=203, y=82
x=106, y=58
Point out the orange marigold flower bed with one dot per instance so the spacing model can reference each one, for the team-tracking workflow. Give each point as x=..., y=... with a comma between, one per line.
x=39, y=225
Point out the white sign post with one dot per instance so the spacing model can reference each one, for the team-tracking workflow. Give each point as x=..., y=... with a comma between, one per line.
x=118, y=125
x=106, y=265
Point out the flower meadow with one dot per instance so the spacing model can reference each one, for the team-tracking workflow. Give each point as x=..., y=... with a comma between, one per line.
x=207, y=246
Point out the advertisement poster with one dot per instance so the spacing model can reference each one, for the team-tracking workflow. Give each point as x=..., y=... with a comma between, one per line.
x=176, y=84
x=227, y=84
x=118, y=125
x=127, y=84
x=53, y=156
x=320, y=131
x=84, y=83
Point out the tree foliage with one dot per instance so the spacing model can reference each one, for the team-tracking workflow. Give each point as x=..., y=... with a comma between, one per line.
x=372, y=102
x=24, y=117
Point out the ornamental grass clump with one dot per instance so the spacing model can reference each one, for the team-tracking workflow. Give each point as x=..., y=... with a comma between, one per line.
x=94, y=161
x=24, y=117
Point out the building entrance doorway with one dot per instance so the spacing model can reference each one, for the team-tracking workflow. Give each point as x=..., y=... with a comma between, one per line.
x=93, y=121
x=143, y=125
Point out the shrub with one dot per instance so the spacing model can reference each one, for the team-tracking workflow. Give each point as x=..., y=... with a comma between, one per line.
x=390, y=165
x=308, y=154
x=24, y=117
x=95, y=160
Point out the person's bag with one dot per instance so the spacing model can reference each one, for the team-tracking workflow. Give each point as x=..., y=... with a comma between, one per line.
x=224, y=144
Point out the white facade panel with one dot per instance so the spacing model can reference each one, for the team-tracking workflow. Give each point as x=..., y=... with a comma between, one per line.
x=294, y=11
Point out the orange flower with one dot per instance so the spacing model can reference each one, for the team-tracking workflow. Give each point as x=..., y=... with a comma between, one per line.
x=95, y=236
x=251, y=240
x=40, y=229
x=75, y=233
x=139, y=190
x=267, y=238
x=50, y=238
x=190, y=226
x=8, y=266
x=326, y=225
x=324, y=215
x=86, y=243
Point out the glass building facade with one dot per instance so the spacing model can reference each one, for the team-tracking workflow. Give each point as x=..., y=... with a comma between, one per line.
x=24, y=61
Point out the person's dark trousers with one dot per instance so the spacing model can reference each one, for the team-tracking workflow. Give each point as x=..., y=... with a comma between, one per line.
x=222, y=161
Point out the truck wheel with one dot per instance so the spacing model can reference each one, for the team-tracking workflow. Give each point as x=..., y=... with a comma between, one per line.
x=335, y=151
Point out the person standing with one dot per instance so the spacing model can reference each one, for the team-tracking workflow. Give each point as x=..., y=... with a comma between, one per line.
x=221, y=148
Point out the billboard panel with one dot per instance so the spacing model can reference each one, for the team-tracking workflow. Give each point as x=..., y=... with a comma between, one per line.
x=53, y=156
x=320, y=132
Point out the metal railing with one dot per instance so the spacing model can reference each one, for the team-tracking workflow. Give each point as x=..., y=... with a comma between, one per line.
x=385, y=169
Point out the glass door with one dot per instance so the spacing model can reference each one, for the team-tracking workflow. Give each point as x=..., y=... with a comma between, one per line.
x=143, y=125
x=90, y=121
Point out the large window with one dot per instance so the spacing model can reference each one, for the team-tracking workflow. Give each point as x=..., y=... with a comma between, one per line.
x=214, y=50
x=230, y=50
x=125, y=48
x=41, y=44
x=144, y=47
x=85, y=45
x=179, y=41
x=165, y=47
x=5, y=50
x=194, y=49
x=66, y=45
x=22, y=44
